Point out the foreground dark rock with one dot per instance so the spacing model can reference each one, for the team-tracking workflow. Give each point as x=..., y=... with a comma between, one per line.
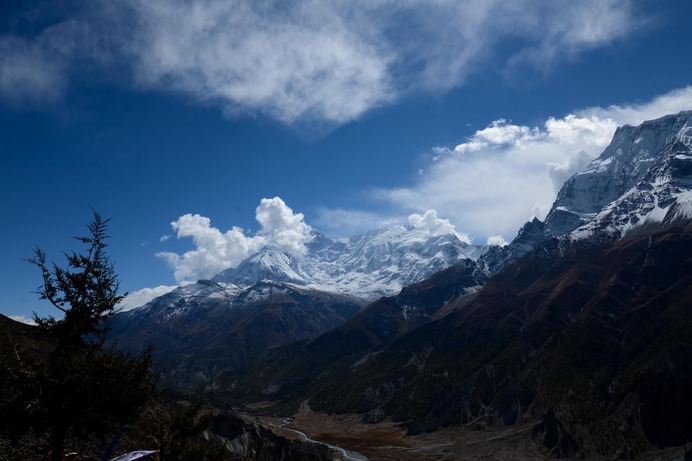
x=252, y=440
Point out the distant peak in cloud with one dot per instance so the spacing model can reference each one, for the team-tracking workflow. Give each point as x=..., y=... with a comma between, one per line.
x=283, y=229
x=215, y=250
x=430, y=223
x=496, y=240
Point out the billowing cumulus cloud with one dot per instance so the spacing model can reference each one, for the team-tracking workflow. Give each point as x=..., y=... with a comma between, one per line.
x=496, y=240
x=215, y=250
x=303, y=60
x=507, y=173
x=433, y=225
x=282, y=228
x=498, y=178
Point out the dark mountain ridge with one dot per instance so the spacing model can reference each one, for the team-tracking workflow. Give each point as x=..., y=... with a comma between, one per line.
x=292, y=368
x=595, y=342
x=584, y=330
x=196, y=337
x=274, y=298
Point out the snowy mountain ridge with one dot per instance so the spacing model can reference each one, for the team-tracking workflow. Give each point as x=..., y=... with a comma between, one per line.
x=376, y=264
x=365, y=267
x=643, y=175
x=641, y=182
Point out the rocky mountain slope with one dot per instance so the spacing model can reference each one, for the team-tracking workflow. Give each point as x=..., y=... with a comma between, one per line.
x=594, y=344
x=293, y=369
x=200, y=330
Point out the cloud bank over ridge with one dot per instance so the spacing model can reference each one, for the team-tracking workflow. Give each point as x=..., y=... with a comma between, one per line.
x=507, y=173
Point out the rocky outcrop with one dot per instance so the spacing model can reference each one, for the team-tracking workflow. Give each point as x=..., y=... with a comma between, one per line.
x=552, y=436
x=530, y=235
x=252, y=440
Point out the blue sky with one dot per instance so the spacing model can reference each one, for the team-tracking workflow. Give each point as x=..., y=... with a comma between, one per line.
x=355, y=114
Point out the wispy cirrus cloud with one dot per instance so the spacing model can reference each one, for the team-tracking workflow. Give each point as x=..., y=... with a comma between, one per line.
x=306, y=60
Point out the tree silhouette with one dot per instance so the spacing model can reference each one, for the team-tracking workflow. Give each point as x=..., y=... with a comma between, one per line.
x=85, y=388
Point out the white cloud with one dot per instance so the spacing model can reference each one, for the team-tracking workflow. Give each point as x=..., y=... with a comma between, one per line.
x=215, y=250
x=507, y=173
x=304, y=60
x=141, y=297
x=669, y=103
x=22, y=319
x=498, y=134
x=282, y=228
x=496, y=240
x=433, y=225
x=301, y=60
x=164, y=238
x=38, y=70
x=565, y=31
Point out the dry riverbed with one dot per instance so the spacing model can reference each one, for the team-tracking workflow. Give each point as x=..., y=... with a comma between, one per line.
x=387, y=441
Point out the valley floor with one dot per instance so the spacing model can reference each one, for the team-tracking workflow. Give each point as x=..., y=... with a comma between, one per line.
x=387, y=441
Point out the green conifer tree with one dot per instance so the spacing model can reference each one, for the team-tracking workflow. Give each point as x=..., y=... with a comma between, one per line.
x=85, y=388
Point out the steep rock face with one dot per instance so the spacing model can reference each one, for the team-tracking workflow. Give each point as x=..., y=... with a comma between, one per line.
x=641, y=182
x=529, y=236
x=644, y=170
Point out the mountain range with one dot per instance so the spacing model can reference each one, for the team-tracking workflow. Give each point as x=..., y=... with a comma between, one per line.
x=273, y=298
x=580, y=326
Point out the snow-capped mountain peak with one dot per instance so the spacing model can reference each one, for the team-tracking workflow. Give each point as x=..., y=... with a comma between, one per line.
x=641, y=182
x=375, y=264
x=268, y=263
x=633, y=183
